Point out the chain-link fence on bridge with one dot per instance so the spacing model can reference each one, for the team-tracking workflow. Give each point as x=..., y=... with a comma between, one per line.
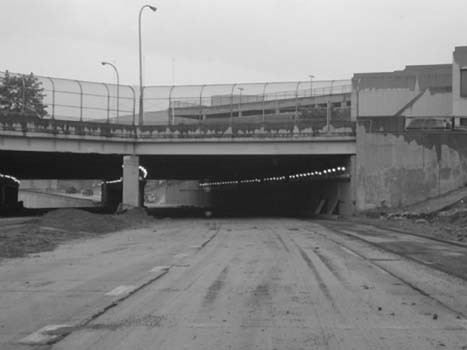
x=65, y=99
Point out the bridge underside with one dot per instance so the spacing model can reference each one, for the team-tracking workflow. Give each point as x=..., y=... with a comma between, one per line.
x=45, y=165
x=291, y=196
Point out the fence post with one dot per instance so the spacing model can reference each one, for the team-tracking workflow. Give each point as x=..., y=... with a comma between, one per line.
x=53, y=96
x=171, y=107
x=231, y=104
x=23, y=94
x=264, y=98
x=134, y=104
x=80, y=100
x=328, y=116
x=296, y=101
x=201, y=102
x=108, y=102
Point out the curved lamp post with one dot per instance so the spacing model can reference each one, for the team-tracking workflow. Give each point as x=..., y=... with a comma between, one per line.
x=311, y=84
x=118, y=84
x=240, y=101
x=141, y=63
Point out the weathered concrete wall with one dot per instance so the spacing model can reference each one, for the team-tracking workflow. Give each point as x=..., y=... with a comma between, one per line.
x=396, y=167
x=57, y=185
x=37, y=199
x=433, y=102
x=384, y=102
x=186, y=193
x=459, y=62
x=416, y=90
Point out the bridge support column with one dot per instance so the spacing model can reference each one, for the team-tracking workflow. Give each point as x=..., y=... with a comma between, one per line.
x=131, y=196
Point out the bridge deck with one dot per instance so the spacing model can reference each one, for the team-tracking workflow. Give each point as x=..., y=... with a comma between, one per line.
x=276, y=136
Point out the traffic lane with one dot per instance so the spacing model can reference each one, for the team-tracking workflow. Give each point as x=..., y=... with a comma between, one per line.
x=450, y=257
x=275, y=284
x=69, y=284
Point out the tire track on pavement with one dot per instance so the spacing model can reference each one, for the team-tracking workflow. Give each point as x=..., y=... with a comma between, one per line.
x=388, y=271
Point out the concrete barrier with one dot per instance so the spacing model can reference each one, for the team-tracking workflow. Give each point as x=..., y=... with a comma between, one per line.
x=38, y=199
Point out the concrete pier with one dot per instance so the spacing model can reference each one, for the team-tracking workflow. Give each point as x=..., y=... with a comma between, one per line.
x=131, y=193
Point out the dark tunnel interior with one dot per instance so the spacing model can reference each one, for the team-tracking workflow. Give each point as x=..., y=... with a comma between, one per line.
x=263, y=184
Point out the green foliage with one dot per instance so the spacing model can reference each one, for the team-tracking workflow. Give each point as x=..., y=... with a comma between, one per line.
x=22, y=94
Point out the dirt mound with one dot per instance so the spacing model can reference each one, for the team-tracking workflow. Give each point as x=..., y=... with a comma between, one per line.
x=62, y=225
x=135, y=217
x=76, y=220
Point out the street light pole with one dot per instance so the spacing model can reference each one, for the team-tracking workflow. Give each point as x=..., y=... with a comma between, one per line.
x=118, y=85
x=311, y=84
x=140, y=121
x=240, y=101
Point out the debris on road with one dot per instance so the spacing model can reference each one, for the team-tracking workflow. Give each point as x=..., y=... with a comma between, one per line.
x=62, y=225
x=447, y=222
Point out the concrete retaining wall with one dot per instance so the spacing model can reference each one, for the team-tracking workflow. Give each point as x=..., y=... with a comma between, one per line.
x=186, y=193
x=396, y=167
x=35, y=199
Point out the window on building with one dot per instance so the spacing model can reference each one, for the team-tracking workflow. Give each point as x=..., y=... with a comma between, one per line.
x=464, y=82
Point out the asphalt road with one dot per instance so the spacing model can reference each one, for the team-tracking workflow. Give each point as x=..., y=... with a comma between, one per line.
x=238, y=284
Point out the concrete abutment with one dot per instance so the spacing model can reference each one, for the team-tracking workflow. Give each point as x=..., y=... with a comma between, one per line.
x=398, y=167
x=131, y=192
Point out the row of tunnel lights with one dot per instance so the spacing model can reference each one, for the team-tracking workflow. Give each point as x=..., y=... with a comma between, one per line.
x=325, y=172
x=235, y=182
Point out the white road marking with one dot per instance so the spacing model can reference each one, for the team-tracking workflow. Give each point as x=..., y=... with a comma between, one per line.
x=45, y=335
x=121, y=290
x=158, y=269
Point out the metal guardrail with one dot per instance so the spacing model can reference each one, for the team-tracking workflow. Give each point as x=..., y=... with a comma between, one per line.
x=84, y=101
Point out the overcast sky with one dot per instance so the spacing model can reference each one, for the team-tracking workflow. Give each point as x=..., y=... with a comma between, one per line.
x=223, y=41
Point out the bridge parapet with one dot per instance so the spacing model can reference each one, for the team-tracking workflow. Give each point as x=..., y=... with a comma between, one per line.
x=285, y=128
x=24, y=124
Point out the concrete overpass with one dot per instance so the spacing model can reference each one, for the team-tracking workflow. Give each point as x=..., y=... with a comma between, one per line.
x=46, y=148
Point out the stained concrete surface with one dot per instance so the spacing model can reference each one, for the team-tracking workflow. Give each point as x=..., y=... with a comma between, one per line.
x=238, y=284
x=411, y=165
x=448, y=257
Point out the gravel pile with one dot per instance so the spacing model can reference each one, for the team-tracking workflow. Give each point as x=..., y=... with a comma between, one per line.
x=76, y=220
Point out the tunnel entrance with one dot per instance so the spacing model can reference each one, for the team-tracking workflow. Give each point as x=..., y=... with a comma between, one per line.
x=298, y=186
x=225, y=185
